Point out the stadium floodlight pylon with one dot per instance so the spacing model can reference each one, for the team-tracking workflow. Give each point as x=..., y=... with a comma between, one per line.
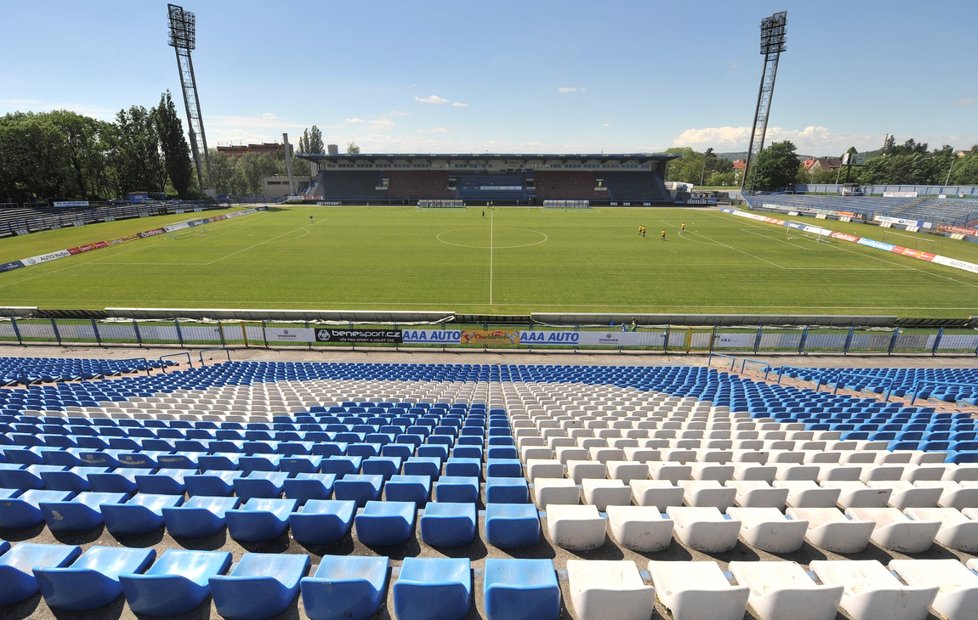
x=183, y=39
x=772, y=44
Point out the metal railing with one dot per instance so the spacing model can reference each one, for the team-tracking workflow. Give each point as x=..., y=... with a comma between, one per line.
x=673, y=339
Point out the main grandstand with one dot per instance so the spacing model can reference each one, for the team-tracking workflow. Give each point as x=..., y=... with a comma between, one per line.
x=513, y=179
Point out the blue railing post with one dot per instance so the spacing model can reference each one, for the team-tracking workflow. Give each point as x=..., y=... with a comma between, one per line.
x=848, y=342
x=893, y=340
x=98, y=337
x=57, y=334
x=803, y=341
x=937, y=341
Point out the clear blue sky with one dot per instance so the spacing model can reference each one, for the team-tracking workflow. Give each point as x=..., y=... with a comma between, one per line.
x=508, y=75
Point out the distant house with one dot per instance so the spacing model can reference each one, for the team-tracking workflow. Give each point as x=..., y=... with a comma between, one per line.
x=265, y=148
x=740, y=164
x=815, y=164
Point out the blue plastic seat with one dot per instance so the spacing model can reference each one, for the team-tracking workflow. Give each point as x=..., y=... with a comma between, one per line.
x=385, y=466
x=296, y=464
x=460, y=466
x=119, y=480
x=383, y=524
x=17, y=581
x=512, y=526
x=402, y=488
x=80, y=513
x=259, y=462
x=261, y=585
x=176, y=584
x=25, y=478
x=260, y=484
x=219, y=461
x=448, y=524
x=521, y=590
x=464, y=489
x=306, y=486
x=163, y=482
x=361, y=488
x=143, y=513
x=422, y=466
x=74, y=479
x=216, y=483
x=425, y=580
x=322, y=522
x=341, y=465
x=92, y=580
x=345, y=588
x=507, y=491
x=24, y=510
x=199, y=516
x=260, y=519
x=504, y=468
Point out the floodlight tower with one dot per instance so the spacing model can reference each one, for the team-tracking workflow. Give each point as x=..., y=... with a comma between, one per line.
x=772, y=44
x=183, y=38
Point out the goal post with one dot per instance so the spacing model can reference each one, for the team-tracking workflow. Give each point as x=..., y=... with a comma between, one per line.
x=800, y=230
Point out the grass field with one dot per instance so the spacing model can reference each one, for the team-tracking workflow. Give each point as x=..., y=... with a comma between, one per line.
x=510, y=260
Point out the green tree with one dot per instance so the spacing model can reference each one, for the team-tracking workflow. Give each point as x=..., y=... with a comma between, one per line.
x=136, y=154
x=776, y=168
x=173, y=144
x=352, y=149
x=965, y=170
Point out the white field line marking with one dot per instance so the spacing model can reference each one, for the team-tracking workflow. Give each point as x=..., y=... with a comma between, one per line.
x=883, y=258
x=304, y=229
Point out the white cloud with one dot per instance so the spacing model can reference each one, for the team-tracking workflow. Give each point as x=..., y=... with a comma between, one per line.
x=459, y=104
x=965, y=102
x=565, y=90
x=606, y=124
x=810, y=140
x=36, y=105
x=438, y=130
x=381, y=124
x=354, y=120
x=432, y=99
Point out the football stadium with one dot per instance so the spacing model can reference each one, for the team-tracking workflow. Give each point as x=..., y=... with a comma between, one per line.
x=514, y=385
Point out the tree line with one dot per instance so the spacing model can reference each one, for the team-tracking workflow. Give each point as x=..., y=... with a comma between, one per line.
x=62, y=154
x=778, y=167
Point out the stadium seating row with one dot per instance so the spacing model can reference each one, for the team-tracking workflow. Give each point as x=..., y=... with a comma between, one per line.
x=265, y=585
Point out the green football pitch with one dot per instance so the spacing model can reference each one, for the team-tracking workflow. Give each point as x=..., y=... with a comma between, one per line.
x=506, y=261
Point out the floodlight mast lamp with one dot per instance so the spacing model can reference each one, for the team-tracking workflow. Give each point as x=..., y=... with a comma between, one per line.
x=183, y=38
x=772, y=44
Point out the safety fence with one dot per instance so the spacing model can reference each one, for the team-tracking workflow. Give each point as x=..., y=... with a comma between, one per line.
x=647, y=339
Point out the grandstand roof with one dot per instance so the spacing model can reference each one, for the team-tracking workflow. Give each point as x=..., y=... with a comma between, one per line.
x=366, y=157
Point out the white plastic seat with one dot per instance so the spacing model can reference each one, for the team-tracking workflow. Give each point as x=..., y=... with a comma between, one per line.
x=855, y=494
x=697, y=591
x=896, y=531
x=958, y=530
x=957, y=595
x=626, y=471
x=795, y=471
x=571, y=453
x=916, y=472
x=769, y=530
x=704, y=529
x=757, y=493
x=711, y=471
x=834, y=472
x=882, y=472
x=962, y=472
x=956, y=495
x=580, y=470
x=543, y=468
x=640, y=528
x=555, y=491
x=754, y=471
x=871, y=592
x=906, y=495
x=575, y=527
x=669, y=470
x=830, y=529
x=807, y=494
x=657, y=493
x=784, y=590
x=603, y=493
x=707, y=493
x=608, y=589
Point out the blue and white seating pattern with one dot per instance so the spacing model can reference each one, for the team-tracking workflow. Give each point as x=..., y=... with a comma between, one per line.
x=516, y=459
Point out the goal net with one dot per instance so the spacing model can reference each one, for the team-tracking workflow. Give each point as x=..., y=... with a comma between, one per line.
x=800, y=230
